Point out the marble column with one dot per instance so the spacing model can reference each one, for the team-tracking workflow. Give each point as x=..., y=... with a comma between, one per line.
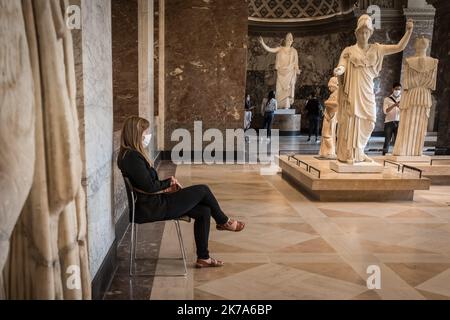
x=125, y=54
x=423, y=16
x=441, y=50
x=161, y=73
x=93, y=61
x=146, y=66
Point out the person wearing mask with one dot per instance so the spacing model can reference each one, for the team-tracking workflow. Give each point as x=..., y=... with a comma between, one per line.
x=269, y=108
x=313, y=110
x=392, y=116
x=161, y=200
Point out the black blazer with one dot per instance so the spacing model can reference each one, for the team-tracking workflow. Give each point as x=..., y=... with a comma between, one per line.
x=144, y=177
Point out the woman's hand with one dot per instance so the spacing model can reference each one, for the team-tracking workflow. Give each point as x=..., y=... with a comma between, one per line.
x=175, y=183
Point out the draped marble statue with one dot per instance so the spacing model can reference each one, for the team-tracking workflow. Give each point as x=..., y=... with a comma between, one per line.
x=419, y=76
x=287, y=71
x=48, y=256
x=17, y=122
x=328, y=143
x=358, y=66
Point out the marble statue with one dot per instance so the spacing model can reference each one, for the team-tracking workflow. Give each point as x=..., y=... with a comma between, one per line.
x=17, y=125
x=419, y=76
x=42, y=165
x=328, y=144
x=287, y=71
x=358, y=66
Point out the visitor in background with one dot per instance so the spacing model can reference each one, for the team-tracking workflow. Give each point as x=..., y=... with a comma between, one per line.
x=313, y=109
x=160, y=200
x=392, y=116
x=248, y=113
x=269, y=112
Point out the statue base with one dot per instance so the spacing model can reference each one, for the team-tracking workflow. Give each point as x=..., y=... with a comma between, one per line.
x=315, y=178
x=409, y=158
x=287, y=122
x=360, y=167
x=285, y=111
x=319, y=157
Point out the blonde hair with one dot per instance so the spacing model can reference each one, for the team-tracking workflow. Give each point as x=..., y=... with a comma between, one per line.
x=131, y=138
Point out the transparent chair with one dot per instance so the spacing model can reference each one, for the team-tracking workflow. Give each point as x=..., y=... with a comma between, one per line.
x=131, y=194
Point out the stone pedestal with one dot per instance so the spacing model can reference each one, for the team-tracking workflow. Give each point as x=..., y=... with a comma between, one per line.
x=401, y=159
x=289, y=124
x=362, y=167
x=285, y=111
x=315, y=178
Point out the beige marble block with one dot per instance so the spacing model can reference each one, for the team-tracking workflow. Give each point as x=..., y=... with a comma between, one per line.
x=360, y=167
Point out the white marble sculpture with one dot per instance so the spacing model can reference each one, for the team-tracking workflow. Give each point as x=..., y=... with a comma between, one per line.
x=287, y=71
x=17, y=124
x=41, y=146
x=358, y=66
x=328, y=144
x=419, y=76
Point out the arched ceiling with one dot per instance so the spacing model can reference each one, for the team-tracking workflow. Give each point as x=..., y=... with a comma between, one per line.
x=272, y=11
x=312, y=16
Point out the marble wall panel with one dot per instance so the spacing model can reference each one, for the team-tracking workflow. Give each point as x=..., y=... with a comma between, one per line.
x=125, y=59
x=205, y=65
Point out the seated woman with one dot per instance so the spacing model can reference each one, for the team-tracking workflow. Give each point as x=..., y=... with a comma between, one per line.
x=160, y=200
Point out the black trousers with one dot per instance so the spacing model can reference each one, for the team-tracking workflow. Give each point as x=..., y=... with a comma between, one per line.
x=199, y=203
x=314, y=125
x=390, y=134
x=268, y=120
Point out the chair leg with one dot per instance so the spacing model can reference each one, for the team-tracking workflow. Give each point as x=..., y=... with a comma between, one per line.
x=136, y=241
x=132, y=250
x=180, y=239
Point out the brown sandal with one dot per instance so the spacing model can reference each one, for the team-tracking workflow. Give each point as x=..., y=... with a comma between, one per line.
x=213, y=264
x=229, y=226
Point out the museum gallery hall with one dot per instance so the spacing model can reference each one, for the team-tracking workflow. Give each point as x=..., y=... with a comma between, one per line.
x=224, y=150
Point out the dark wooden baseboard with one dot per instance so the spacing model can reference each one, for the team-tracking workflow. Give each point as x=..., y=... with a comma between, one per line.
x=442, y=151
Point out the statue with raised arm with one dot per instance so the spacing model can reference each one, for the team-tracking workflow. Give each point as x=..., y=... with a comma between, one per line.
x=358, y=66
x=287, y=71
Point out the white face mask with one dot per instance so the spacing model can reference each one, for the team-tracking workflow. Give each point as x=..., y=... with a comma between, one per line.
x=397, y=93
x=147, y=139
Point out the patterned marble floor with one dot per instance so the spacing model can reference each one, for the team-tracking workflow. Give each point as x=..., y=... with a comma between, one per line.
x=295, y=248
